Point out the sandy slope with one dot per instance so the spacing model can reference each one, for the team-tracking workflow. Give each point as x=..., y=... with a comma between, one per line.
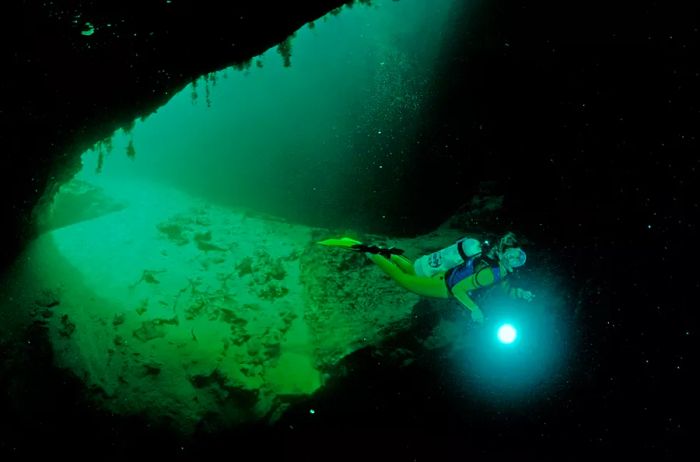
x=176, y=308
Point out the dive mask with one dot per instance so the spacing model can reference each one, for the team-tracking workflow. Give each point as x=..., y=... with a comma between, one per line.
x=515, y=257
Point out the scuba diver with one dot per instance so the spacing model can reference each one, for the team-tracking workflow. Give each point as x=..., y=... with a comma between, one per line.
x=455, y=271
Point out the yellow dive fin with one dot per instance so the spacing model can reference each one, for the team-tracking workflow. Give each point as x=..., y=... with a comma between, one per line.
x=341, y=242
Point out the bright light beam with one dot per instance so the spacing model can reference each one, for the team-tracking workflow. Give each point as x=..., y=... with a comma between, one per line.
x=507, y=334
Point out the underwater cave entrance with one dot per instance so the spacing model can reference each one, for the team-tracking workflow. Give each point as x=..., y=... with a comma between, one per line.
x=170, y=266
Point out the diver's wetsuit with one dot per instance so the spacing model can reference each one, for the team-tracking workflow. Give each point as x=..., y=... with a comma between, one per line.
x=455, y=275
x=458, y=281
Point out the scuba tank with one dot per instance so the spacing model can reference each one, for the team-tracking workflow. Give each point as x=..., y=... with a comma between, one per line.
x=449, y=257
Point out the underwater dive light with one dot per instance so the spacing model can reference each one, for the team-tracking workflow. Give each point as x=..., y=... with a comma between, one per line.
x=507, y=334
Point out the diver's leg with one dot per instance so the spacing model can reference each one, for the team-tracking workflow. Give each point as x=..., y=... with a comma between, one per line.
x=428, y=287
x=404, y=264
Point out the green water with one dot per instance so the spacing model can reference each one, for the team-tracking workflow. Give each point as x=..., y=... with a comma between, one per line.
x=309, y=141
x=177, y=273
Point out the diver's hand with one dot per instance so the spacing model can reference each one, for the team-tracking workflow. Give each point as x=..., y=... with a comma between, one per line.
x=527, y=295
x=477, y=316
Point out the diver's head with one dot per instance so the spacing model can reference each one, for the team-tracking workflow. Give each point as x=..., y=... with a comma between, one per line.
x=511, y=258
x=507, y=241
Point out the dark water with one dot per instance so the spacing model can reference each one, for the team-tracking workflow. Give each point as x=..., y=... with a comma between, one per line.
x=584, y=115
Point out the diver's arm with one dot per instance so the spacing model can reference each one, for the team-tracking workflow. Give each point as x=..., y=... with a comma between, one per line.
x=461, y=291
x=516, y=292
x=508, y=289
x=469, y=304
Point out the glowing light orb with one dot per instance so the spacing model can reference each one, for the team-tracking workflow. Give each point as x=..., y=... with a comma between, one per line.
x=507, y=333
